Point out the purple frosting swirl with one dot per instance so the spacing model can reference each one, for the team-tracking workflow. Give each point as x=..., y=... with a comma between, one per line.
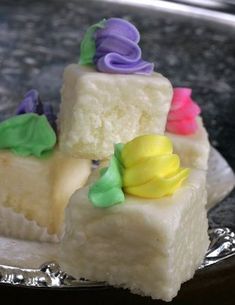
x=117, y=49
x=32, y=104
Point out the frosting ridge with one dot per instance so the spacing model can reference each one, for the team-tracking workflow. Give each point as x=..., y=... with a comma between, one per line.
x=88, y=48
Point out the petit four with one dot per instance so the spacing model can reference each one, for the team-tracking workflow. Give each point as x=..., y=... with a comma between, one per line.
x=112, y=96
x=37, y=180
x=142, y=225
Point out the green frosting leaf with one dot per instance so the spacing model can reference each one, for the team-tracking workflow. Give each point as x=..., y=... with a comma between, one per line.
x=88, y=47
x=117, y=153
x=27, y=134
x=107, y=191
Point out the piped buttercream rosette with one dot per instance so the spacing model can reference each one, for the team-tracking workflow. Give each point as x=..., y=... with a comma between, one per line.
x=32, y=130
x=32, y=104
x=112, y=46
x=144, y=167
x=183, y=113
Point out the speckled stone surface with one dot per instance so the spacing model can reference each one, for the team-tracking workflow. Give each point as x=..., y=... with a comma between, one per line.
x=38, y=39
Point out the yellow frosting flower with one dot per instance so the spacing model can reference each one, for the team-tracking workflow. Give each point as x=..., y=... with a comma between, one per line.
x=151, y=170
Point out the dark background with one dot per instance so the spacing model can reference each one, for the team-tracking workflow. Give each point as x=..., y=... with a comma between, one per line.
x=39, y=38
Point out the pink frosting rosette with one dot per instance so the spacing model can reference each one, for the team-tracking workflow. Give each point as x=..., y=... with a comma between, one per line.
x=183, y=113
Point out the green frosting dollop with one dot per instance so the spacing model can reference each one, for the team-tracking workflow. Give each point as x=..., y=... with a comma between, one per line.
x=88, y=47
x=107, y=190
x=27, y=134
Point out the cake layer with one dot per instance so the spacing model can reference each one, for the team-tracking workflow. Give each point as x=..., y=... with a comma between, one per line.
x=193, y=149
x=149, y=246
x=100, y=109
x=39, y=189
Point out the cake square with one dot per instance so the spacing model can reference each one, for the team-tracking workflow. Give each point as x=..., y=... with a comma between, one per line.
x=35, y=192
x=100, y=109
x=149, y=246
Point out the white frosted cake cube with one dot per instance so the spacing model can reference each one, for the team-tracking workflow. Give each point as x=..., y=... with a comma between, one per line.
x=34, y=193
x=100, y=109
x=149, y=246
x=193, y=149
